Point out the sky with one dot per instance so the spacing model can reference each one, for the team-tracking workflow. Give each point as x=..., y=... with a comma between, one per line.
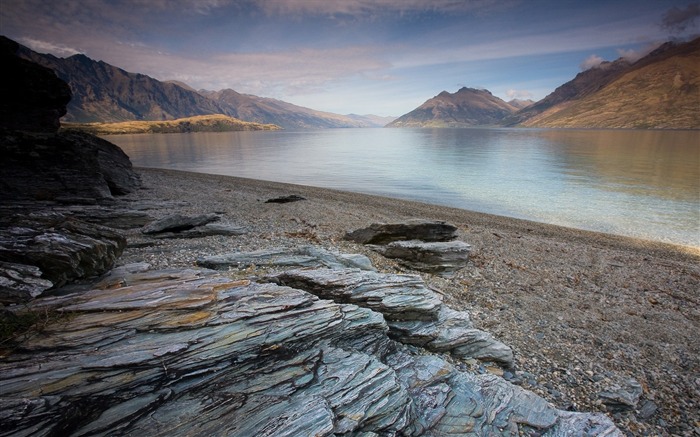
x=382, y=57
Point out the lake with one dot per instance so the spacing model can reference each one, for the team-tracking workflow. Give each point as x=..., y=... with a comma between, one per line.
x=643, y=184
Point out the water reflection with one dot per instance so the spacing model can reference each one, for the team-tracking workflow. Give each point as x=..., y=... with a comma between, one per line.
x=637, y=183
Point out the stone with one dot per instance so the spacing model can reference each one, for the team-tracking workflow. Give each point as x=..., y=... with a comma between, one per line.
x=178, y=223
x=39, y=163
x=21, y=282
x=184, y=352
x=300, y=256
x=441, y=257
x=70, y=167
x=33, y=98
x=623, y=395
x=62, y=249
x=414, y=313
x=382, y=233
x=206, y=230
x=286, y=199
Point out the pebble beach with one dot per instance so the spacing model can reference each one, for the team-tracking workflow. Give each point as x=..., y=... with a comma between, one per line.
x=585, y=313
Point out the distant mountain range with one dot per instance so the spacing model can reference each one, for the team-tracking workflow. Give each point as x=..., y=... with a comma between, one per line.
x=105, y=93
x=660, y=90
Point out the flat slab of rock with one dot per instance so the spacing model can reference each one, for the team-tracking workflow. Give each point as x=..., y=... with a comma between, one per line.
x=178, y=223
x=383, y=233
x=193, y=352
x=300, y=256
x=397, y=297
x=441, y=257
x=207, y=230
x=286, y=199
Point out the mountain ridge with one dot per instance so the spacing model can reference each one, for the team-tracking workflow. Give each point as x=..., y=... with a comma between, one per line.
x=105, y=93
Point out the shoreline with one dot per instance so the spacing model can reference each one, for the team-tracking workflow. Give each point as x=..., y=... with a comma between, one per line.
x=583, y=311
x=661, y=248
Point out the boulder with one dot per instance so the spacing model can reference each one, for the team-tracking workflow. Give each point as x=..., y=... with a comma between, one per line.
x=40, y=164
x=71, y=167
x=62, y=249
x=425, y=230
x=33, y=98
x=21, y=282
x=206, y=230
x=441, y=257
x=285, y=257
x=623, y=395
x=178, y=223
x=193, y=352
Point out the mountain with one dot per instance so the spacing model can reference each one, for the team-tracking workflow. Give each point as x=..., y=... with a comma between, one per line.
x=372, y=120
x=465, y=108
x=266, y=110
x=520, y=104
x=105, y=93
x=659, y=91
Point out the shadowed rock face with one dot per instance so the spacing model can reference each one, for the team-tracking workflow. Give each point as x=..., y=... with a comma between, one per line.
x=39, y=164
x=187, y=352
x=33, y=98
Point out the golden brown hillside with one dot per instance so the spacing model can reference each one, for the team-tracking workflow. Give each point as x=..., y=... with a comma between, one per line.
x=663, y=94
x=199, y=123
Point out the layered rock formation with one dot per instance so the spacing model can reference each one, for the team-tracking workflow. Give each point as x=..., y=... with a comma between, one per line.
x=195, y=352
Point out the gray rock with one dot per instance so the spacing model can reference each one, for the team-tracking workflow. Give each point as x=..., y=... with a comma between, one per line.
x=62, y=249
x=286, y=199
x=397, y=297
x=178, y=223
x=194, y=352
x=382, y=233
x=20, y=282
x=623, y=395
x=442, y=257
x=207, y=230
x=300, y=256
x=414, y=313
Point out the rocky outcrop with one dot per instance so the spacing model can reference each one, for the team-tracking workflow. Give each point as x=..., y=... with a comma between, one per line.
x=423, y=245
x=33, y=98
x=193, y=352
x=414, y=313
x=44, y=251
x=418, y=229
x=39, y=164
x=300, y=256
x=441, y=257
x=71, y=168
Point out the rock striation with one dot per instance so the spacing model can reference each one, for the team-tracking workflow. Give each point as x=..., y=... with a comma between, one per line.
x=417, y=229
x=423, y=245
x=414, y=313
x=184, y=352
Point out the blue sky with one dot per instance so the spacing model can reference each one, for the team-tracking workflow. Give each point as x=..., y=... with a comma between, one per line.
x=383, y=57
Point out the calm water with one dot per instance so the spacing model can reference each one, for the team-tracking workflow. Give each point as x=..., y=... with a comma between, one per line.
x=643, y=184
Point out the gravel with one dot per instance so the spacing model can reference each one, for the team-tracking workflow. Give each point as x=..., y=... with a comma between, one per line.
x=585, y=313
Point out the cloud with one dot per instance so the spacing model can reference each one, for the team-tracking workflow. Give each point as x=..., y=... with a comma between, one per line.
x=47, y=47
x=519, y=94
x=593, y=61
x=632, y=55
x=371, y=8
x=677, y=20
